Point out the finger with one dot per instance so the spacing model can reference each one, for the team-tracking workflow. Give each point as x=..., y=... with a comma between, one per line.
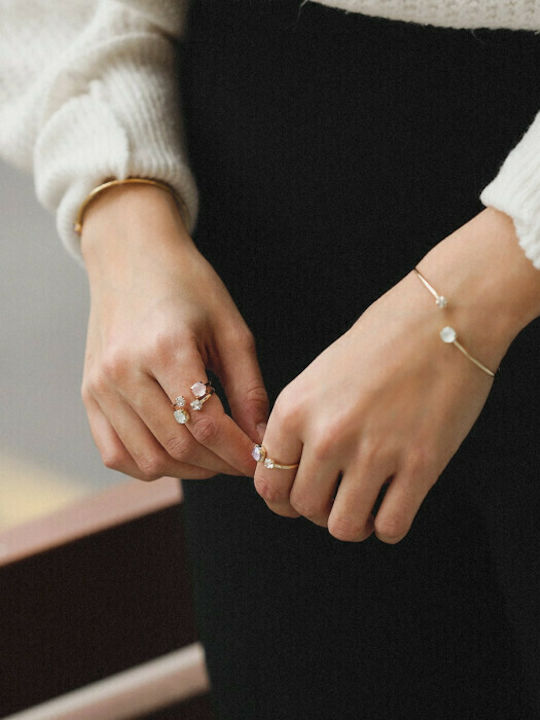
x=314, y=485
x=149, y=456
x=351, y=518
x=272, y=484
x=401, y=502
x=240, y=375
x=210, y=426
x=148, y=399
x=217, y=431
x=115, y=454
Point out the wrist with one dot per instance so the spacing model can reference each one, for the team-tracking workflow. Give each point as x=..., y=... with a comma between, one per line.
x=131, y=217
x=493, y=290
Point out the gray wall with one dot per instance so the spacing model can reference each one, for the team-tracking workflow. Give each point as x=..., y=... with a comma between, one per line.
x=44, y=309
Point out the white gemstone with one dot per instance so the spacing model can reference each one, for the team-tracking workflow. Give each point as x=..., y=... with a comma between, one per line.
x=268, y=463
x=441, y=301
x=181, y=416
x=257, y=453
x=196, y=404
x=448, y=334
x=180, y=401
x=198, y=389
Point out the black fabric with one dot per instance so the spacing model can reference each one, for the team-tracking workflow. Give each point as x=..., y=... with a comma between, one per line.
x=332, y=150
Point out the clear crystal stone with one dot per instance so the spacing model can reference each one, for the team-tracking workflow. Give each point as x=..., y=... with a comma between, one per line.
x=181, y=416
x=448, y=334
x=257, y=453
x=180, y=401
x=198, y=389
x=268, y=463
x=441, y=301
x=196, y=404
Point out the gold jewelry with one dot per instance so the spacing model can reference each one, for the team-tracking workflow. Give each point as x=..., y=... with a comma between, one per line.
x=440, y=300
x=259, y=454
x=448, y=334
x=182, y=207
x=202, y=391
x=181, y=415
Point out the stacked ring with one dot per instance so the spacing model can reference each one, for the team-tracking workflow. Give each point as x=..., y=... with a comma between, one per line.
x=259, y=454
x=202, y=392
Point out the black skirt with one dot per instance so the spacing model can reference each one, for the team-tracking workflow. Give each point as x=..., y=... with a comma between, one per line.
x=332, y=150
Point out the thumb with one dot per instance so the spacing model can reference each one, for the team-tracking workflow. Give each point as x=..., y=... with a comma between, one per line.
x=241, y=378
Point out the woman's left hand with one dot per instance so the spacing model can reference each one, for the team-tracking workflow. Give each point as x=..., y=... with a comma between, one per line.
x=389, y=400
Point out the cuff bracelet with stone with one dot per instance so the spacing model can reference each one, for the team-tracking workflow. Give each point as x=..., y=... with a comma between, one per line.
x=202, y=392
x=259, y=454
x=448, y=334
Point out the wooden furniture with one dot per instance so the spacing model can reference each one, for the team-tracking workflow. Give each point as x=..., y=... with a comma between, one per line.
x=98, y=594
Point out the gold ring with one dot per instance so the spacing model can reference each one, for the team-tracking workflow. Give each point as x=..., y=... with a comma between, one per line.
x=202, y=391
x=259, y=454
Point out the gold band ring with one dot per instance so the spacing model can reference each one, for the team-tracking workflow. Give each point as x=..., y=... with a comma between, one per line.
x=259, y=454
x=202, y=391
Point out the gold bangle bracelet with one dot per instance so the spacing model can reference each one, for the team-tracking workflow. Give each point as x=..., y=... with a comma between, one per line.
x=182, y=207
x=448, y=334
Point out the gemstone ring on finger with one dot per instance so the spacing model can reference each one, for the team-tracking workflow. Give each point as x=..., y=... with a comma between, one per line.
x=202, y=392
x=259, y=454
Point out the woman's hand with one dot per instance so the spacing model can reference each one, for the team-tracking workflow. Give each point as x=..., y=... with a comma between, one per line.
x=389, y=401
x=159, y=318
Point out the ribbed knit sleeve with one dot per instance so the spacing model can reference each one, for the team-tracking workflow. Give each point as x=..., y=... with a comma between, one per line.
x=88, y=91
x=516, y=191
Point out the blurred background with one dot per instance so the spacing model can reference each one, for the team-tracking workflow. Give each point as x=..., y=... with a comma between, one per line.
x=95, y=584
x=47, y=454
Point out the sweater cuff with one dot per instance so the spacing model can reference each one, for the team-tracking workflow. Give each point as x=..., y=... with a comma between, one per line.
x=126, y=124
x=516, y=191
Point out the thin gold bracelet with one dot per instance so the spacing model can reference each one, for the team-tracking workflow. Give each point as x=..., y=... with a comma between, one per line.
x=448, y=334
x=182, y=207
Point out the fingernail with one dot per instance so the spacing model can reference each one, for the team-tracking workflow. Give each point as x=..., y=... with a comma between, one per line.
x=261, y=428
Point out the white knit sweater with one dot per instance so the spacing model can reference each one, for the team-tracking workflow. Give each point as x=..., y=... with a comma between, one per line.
x=87, y=91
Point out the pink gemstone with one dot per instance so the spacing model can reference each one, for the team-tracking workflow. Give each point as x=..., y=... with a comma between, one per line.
x=198, y=389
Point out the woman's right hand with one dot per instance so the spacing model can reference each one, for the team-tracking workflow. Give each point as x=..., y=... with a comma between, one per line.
x=159, y=317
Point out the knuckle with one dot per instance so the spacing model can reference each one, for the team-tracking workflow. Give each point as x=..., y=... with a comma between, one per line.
x=97, y=384
x=373, y=452
x=152, y=466
x=161, y=345
x=346, y=528
x=113, y=458
x=86, y=393
x=240, y=336
x=285, y=409
x=114, y=365
x=205, y=430
x=419, y=460
x=324, y=447
x=392, y=527
x=149, y=478
x=246, y=340
x=269, y=492
x=164, y=345
x=178, y=446
x=308, y=507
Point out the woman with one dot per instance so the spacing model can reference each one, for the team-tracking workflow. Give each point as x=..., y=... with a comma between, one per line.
x=383, y=562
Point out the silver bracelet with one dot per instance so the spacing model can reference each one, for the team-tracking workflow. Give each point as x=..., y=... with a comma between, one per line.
x=448, y=334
